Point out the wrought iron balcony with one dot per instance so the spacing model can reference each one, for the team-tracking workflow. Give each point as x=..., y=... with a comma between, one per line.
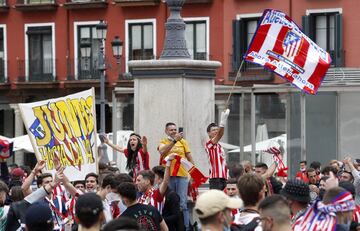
x=33, y=5
x=36, y=70
x=2, y=71
x=128, y=3
x=4, y=7
x=87, y=69
x=85, y=4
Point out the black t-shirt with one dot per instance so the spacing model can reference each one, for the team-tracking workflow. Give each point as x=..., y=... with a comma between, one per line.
x=148, y=217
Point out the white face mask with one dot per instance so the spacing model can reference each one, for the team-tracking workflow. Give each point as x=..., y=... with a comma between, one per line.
x=110, y=197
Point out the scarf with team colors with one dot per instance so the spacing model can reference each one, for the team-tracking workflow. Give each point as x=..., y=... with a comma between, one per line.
x=195, y=173
x=321, y=217
x=277, y=158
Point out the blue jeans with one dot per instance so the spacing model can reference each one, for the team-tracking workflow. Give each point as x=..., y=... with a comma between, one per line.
x=180, y=186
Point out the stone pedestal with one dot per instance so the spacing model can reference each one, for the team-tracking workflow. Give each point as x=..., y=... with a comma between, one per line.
x=179, y=91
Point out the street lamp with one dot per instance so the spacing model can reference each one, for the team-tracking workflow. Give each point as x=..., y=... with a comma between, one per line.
x=117, y=45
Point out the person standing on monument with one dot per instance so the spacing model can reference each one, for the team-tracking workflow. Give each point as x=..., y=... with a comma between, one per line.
x=136, y=153
x=218, y=172
x=175, y=143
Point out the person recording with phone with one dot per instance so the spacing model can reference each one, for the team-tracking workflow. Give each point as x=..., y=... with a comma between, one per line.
x=136, y=153
x=175, y=143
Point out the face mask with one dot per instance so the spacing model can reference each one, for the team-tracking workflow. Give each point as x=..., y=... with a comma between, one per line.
x=110, y=197
x=303, y=169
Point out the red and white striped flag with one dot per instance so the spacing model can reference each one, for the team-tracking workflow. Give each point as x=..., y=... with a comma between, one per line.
x=196, y=175
x=278, y=159
x=282, y=47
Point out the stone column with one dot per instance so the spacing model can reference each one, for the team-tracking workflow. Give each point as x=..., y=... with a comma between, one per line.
x=221, y=106
x=19, y=131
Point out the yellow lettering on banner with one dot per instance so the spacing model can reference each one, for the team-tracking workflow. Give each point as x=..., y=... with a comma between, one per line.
x=39, y=114
x=75, y=104
x=89, y=103
x=48, y=157
x=79, y=159
x=69, y=118
x=85, y=114
x=56, y=127
x=88, y=152
x=62, y=156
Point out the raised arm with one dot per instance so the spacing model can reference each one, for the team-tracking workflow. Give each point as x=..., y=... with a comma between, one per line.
x=270, y=171
x=166, y=179
x=223, y=121
x=25, y=187
x=113, y=146
x=165, y=148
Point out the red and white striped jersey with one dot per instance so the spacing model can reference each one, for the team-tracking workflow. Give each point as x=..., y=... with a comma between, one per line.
x=356, y=214
x=142, y=161
x=154, y=198
x=217, y=160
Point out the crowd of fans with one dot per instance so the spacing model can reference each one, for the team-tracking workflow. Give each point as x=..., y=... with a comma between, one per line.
x=241, y=196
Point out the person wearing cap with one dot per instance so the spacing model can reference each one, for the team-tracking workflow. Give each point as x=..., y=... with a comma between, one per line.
x=213, y=208
x=89, y=212
x=297, y=193
x=38, y=217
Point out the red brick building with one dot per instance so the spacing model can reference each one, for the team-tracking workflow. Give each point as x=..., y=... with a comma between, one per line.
x=40, y=44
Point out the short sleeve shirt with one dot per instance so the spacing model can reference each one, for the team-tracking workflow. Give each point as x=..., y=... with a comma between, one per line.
x=180, y=148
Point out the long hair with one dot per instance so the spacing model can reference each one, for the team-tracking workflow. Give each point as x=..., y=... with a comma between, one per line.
x=132, y=154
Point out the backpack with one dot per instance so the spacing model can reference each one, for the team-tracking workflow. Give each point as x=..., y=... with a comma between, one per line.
x=248, y=227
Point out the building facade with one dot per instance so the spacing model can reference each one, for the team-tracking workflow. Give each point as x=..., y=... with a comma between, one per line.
x=40, y=58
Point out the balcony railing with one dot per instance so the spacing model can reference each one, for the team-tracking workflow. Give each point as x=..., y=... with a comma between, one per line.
x=198, y=1
x=4, y=7
x=36, y=70
x=2, y=71
x=250, y=72
x=85, y=4
x=127, y=3
x=30, y=5
x=86, y=69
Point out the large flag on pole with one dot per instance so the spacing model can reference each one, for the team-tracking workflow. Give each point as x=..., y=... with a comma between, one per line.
x=282, y=47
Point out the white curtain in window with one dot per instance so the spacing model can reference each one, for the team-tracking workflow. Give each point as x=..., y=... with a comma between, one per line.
x=136, y=37
x=85, y=32
x=332, y=33
x=189, y=37
x=148, y=37
x=47, y=46
x=320, y=31
x=251, y=28
x=201, y=37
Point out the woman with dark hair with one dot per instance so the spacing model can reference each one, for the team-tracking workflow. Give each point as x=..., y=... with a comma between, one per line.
x=136, y=153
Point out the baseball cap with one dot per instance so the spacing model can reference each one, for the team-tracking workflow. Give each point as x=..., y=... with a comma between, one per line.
x=38, y=214
x=213, y=201
x=88, y=204
x=17, y=172
x=296, y=190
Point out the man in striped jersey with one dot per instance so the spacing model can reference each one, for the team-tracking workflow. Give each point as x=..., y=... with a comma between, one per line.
x=153, y=195
x=218, y=172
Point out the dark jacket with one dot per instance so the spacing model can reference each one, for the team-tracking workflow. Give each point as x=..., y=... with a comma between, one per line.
x=171, y=211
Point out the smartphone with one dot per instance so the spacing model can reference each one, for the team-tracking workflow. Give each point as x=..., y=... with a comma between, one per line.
x=181, y=129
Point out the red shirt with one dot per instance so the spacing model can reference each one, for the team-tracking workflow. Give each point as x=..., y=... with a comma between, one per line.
x=302, y=176
x=217, y=160
x=154, y=198
x=356, y=214
x=142, y=161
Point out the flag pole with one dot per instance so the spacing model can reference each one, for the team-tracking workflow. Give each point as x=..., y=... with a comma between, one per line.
x=238, y=74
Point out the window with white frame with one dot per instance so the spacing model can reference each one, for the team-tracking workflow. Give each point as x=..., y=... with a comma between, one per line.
x=88, y=66
x=2, y=55
x=196, y=37
x=325, y=28
x=141, y=44
x=40, y=53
